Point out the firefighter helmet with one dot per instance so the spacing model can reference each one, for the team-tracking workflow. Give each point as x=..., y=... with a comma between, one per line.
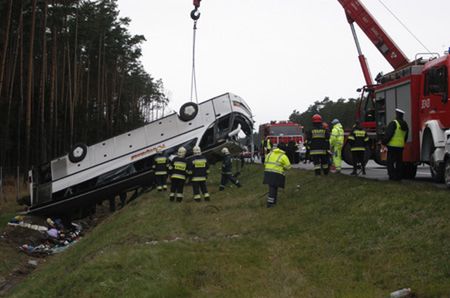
x=181, y=152
x=316, y=118
x=197, y=150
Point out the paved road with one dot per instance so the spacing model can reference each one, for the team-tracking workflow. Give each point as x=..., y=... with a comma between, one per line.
x=375, y=171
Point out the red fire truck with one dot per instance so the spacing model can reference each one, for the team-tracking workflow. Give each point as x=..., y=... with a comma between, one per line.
x=280, y=132
x=420, y=88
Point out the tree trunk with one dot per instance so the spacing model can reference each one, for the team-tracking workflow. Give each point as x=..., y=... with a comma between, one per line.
x=53, y=90
x=5, y=45
x=43, y=139
x=30, y=85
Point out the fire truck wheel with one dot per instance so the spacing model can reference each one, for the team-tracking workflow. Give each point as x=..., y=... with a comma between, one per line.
x=409, y=170
x=437, y=169
x=78, y=152
x=188, y=111
x=447, y=172
x=347, y=155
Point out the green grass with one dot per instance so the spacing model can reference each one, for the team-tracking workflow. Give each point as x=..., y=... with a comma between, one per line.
x=10, y=257
x=333, y=236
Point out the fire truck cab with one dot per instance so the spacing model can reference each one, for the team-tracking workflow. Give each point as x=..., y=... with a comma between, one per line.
x=287, y=132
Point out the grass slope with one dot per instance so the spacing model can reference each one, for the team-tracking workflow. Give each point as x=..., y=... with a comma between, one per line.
x=333, y=236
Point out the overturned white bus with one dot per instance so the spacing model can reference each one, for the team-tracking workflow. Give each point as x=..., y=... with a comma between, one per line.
x=90, y=174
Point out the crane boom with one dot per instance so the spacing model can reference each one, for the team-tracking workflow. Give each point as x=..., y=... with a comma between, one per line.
x=357, y=13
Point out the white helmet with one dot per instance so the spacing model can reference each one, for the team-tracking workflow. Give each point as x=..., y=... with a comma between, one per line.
x=197, y=150
x=225, y=151
x=181, y=151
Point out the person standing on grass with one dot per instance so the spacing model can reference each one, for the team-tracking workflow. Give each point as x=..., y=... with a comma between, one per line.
x=336, y=143
x=318, y=140
x=275, y=165
x=227, y=170
x=198, y=169
x=177, y=169
x=395, y=140
x=160, y=167
x=358, y=140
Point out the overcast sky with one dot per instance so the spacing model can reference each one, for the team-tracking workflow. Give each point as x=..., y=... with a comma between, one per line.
x=279, y=55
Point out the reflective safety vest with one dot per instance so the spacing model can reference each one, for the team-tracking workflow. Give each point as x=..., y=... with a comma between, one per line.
x=198, y=168
x=266, y=144
x=178, y=168
x=160, y=165
x=358, y=139
x=318, y=141
x=398, y=139
x=337, y=136
x=277, y=162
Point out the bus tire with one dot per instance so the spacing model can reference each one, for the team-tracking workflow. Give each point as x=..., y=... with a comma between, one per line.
x=188, y=111
x=78, y=152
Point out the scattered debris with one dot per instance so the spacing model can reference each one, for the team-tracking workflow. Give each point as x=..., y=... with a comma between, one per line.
x=193, y=239
x=402, y=293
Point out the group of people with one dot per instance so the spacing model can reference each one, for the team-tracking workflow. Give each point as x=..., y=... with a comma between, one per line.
x=325, y=148
x=196, y=169
x=322, y=144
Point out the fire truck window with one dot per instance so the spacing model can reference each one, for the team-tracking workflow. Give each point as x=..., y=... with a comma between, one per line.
x=436, y=81
x=284, y=130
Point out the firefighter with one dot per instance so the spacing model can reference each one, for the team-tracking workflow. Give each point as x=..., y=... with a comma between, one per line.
x=198, y=171
x=266, y=146
x=291, y=151
x=177, y=168
x=318, y=141
x=227, y=167
x=160, y=166
x=395, y=139
x=358, y=140
x=336, y=143
x=275, y=165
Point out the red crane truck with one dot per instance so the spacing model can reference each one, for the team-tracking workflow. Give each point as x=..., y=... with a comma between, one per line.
x=420, y=88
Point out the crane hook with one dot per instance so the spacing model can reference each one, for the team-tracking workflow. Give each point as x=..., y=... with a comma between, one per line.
x=195, y=14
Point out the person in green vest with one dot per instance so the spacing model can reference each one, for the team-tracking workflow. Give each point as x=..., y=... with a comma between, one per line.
x=275, y=165
x=358, y=140
x=395, y=140
x=336, y=143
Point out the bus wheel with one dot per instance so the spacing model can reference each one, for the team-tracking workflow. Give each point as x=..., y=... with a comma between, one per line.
x=78, y=152
x=188, y=111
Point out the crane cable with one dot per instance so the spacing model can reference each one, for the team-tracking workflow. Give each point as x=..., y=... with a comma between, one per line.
x=404, y=26
x=195, y=15
x=193, y=77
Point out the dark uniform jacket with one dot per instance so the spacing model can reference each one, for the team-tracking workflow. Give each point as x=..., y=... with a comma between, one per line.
x=178, y=168
x=227, y=165
x=198, y=168
x=358, y=139
x=160, y=164
x=390, y=130
x=318, y=140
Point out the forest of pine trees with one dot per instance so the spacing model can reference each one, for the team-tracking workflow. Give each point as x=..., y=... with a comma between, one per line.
x=69, y=72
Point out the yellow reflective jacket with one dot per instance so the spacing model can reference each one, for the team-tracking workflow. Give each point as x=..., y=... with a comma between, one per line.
x=277, y=162
x=337, y=136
